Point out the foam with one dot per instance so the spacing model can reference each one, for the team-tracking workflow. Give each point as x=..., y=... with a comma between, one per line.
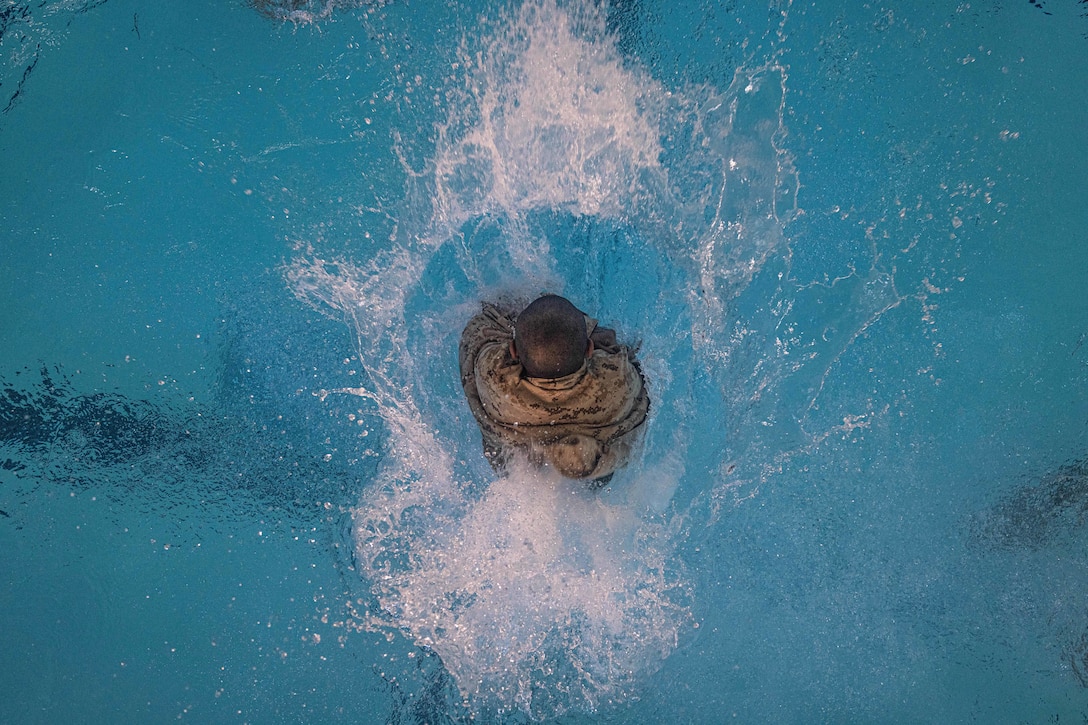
x=538, y=586
x=539, y=595
x=558, y=122
x=308, y=12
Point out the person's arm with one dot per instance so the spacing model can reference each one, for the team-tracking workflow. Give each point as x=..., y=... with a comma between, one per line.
x=496, y=315
x=491, y=325
x=604, y=338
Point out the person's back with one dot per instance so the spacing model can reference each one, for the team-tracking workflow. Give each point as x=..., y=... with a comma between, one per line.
x=551, y=384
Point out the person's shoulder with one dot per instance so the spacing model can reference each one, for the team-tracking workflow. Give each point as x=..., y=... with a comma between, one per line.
x=488, y=327
x=490, y=320
x=614, y=361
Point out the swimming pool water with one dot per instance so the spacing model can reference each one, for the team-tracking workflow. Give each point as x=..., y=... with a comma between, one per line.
x=239, y=483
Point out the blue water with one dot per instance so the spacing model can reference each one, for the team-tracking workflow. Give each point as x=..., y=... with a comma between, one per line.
x=239, y=482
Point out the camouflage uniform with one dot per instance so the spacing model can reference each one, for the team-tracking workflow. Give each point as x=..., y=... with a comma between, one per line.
x=583, y=424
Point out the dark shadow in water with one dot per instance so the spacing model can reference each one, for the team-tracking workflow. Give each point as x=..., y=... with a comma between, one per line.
x=1050, y=513
x=1040, y=514
x=50, y=433
x=436, y=700
x=24, y=45
x=265, y=440
x=1078, y=659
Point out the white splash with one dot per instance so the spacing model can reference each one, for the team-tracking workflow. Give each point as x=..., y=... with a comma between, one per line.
x=539, y=595
x=559, y=121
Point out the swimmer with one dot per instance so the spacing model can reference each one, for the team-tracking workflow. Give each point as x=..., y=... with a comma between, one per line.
x=551, y=384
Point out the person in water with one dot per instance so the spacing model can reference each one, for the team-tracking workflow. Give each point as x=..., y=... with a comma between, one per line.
x=551, y=384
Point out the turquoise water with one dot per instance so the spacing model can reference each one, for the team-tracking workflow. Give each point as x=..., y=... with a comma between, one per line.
x=238, y=480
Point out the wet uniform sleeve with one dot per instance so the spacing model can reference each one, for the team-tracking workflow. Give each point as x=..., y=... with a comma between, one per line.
x=491, y=327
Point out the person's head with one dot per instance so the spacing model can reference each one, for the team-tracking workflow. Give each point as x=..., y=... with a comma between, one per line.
x=550, y=338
